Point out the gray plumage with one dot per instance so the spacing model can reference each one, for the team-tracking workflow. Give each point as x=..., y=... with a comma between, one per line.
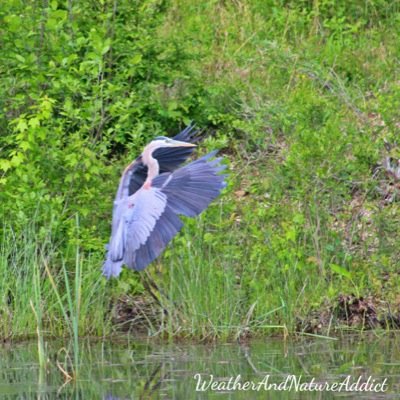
x=146, y=217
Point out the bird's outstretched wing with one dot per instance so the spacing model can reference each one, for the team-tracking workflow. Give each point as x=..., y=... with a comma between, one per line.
x=188, y=191
x=136, y=218
x=152, y=221
x=168, y=159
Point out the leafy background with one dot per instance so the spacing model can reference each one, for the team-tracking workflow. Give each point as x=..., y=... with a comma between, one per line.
x=300, y=96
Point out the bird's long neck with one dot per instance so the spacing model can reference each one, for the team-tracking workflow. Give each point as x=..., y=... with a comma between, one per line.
x=152, y=165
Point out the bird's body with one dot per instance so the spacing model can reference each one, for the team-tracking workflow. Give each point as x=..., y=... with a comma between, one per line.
x=153, y=191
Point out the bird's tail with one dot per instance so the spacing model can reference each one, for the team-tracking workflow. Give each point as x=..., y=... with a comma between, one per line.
x=112, y=268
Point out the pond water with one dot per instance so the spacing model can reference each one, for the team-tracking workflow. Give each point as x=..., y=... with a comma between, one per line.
x=132, y=369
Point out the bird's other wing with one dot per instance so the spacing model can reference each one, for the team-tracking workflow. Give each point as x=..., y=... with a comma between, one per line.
x=188, y=191
x=169, y=158
x=189, y=134
x=133, y=176
x=137, y=176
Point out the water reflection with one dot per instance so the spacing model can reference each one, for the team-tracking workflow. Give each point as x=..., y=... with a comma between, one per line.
x=132, y=370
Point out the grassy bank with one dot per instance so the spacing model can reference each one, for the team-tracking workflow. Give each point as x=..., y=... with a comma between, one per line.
x=301, y=97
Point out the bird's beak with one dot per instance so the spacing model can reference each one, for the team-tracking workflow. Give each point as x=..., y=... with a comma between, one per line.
x=178, y=143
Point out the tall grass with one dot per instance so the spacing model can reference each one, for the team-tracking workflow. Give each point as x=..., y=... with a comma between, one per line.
x=36, y=305
x=70, y=308
x=65, y=296
x=205, y=285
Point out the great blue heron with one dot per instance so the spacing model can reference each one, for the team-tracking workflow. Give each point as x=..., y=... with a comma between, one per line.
x=152, y=192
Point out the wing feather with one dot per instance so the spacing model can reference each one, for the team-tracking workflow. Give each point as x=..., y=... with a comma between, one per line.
x=140, y=219
x=192, y=188
x=166, y=228
x=149, y=219
x=188, y=192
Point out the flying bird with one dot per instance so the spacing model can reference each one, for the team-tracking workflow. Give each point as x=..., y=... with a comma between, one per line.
x=153, y=191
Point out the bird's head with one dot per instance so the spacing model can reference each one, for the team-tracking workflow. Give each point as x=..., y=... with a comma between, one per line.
x=162, y=141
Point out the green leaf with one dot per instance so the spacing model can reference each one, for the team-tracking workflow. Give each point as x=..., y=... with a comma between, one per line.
x=341, y=271
x=14, y=22
x=5, y=165
x=22, y=126
x=136, y=59
x=20, y=58
x=34, y=122
x=105, y=49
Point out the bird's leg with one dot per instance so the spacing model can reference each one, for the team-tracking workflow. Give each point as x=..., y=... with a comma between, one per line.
x=149, y=284
x=154, y=285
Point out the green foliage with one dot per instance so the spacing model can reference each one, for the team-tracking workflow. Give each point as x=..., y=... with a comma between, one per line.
x=301, y=96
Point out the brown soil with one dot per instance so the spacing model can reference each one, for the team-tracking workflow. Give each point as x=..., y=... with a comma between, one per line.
x=353, y=312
